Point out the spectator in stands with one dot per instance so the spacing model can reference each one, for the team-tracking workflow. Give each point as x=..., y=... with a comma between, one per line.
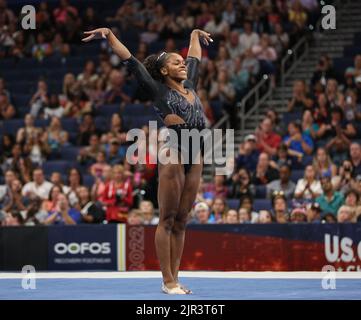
x=69, y=83
x=217, y=188
x=308, y=188
x=300, y=100
x=298, y=141
x=86, y=129
x=185, y=20
x=285, y=156
x=203, y=96
x=345, y=215
x=352, y=109
x=267, y=140
x=117, y=196
x=231, y=217
x=3, y=89
x=244, y=215
x=283, y=184
x=28, y=131
x=63, y=214
x=88, y=154
x=279, y=40
x=6, y=147
x=12, y=219
x=75, y=181
x=278, y=127
x=298, y=215
x=98, y=187
x=333, y=94
x=9, y=177
x=60, y=48
x=355, y=157
x=201, y=214
x=97, y=168
x=39, y=187
x=265, y=217
x=7, y=110
x=246, y=202
x=114, y=154
x=297, y=16
x=241, y=184
x=224, y=60
x=147, y=209
x=52, y=201
x=309, y=126
x=90, y=19
x=135, y=217
x=218, y=210
x=14, y=202
x=355, y=71
x=352, y=200
x=64, y=13
x=40, y=99
x=233, y=46
x=88, y=77
x=279, y=207
x=55, y=136
x=90, y=212
x=37, y=149
x=345, y=180
x=248, y=154
x=264, y=173
x=322, y=163
x=324, y=71
x=330, y=201
x=56, y=179
x=78, y=103
x=53, y=109
x=248, y=38
x=41, y=49
x=321, y=113
x=216, y=26
x=313, y=213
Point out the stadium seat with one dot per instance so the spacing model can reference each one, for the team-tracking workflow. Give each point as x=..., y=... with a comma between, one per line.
x=233, y=203
x=261, y=192
x=69, y=153
x=57, y=166
x=296, y=175
x=262, y=204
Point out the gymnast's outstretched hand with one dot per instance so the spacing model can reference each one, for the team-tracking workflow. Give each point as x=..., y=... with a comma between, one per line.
x=100, y=33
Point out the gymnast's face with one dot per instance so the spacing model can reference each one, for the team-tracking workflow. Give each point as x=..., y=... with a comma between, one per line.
x=175, y=67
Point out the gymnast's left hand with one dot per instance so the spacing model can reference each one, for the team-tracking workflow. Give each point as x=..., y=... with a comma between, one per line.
x=205, y=36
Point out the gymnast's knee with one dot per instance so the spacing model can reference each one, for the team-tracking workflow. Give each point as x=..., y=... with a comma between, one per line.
x=179, y=225
x=168, y=221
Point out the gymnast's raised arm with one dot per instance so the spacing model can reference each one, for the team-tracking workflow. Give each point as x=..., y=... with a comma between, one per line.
x=136, y=67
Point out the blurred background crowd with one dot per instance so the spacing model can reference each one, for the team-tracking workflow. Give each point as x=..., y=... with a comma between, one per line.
x=66, y=107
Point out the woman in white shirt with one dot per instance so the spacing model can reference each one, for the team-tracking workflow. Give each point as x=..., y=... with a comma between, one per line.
x=308, y=188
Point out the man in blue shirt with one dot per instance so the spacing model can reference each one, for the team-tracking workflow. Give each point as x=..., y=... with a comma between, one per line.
x=63, y=214
x=297, y=141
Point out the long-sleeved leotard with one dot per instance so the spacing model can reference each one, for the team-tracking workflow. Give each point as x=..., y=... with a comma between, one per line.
x=169, y=101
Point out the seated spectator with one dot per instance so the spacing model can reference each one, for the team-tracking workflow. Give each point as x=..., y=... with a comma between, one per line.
x=265, y=217
x=208, y=112
x=298, y=141
x=12, y=219
x=355, y=157
x=300, y=100
x=264, y=173
x=88, y=155
x=90, y=212
x=78, y=103
x=279, y=207
x=333, y=94
x=244, y=215
x=147, y=208
x=41, y=49
x=100, y=183
x=352, y=200
x=216, y=26
x=352, y=110
x=313, y=213
x=241, y=184
x=18, y=163
x=86, y=129
x=355, y=70
x=297, y=16
x=39, y=187
x=88, y=77
x=52, y=201
x=248, y=38
x=246, y=202
x=117, y=196
x=114, y=153
x=217, y=188
x=26, y=133
x=287, y=157
x=3, y=89
x=6, y=147
x=233, y=45
x=267, y=140
x=185, y=20
x=324, y=71
x=248, y=154
x=53, y=109
x=7, y=110
x=309, y=126
x=69, y=83
x=345, y=215
x=231, y=217
x=96, y=169
x=279, y=40
x=135, y=218
x=40, y=99
x=55, y=136
x=64, y=13
x=308, y=188
x=56, y=179
x=75, y=181
x=345, y=180
x=201, y=214
x=5, y=189
x=251, y=64
x=277, y=125
x=322, y=163
x=321, y=113
x=330, y=201
x=283, y=184
x=60, y=48
x=14, y=202
x=63, y=214
x=218, y=210
x=266, y=54
x=328, y=218
x=298, y=215
x=36, y=149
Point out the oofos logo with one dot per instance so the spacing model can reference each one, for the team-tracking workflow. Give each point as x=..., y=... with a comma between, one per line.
x=82, y=248
x=337, y=249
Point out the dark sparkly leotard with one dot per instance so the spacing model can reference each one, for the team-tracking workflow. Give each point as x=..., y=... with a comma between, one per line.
x=169, y=101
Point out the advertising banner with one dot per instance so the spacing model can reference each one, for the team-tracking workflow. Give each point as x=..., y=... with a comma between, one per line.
x=278, y=247
x=86, y=247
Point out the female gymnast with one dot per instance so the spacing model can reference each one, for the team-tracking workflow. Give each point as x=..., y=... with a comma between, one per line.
x=171, y=83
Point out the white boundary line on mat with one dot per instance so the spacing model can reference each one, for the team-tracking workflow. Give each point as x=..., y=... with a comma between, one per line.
x=185, y=274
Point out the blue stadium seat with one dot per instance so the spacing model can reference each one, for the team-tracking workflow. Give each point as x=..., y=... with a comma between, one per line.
x=12, y=126
x=233, y=203
x=69, y=153
x=88, y=180
x=261, y=192
x=291, y=116
x=217, y=109
x=296, y=175
x=262, y=204
x=108, y=110
x=70, y=124
x=57, y=166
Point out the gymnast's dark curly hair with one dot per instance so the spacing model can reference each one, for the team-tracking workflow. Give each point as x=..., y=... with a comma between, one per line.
x=154, y=63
